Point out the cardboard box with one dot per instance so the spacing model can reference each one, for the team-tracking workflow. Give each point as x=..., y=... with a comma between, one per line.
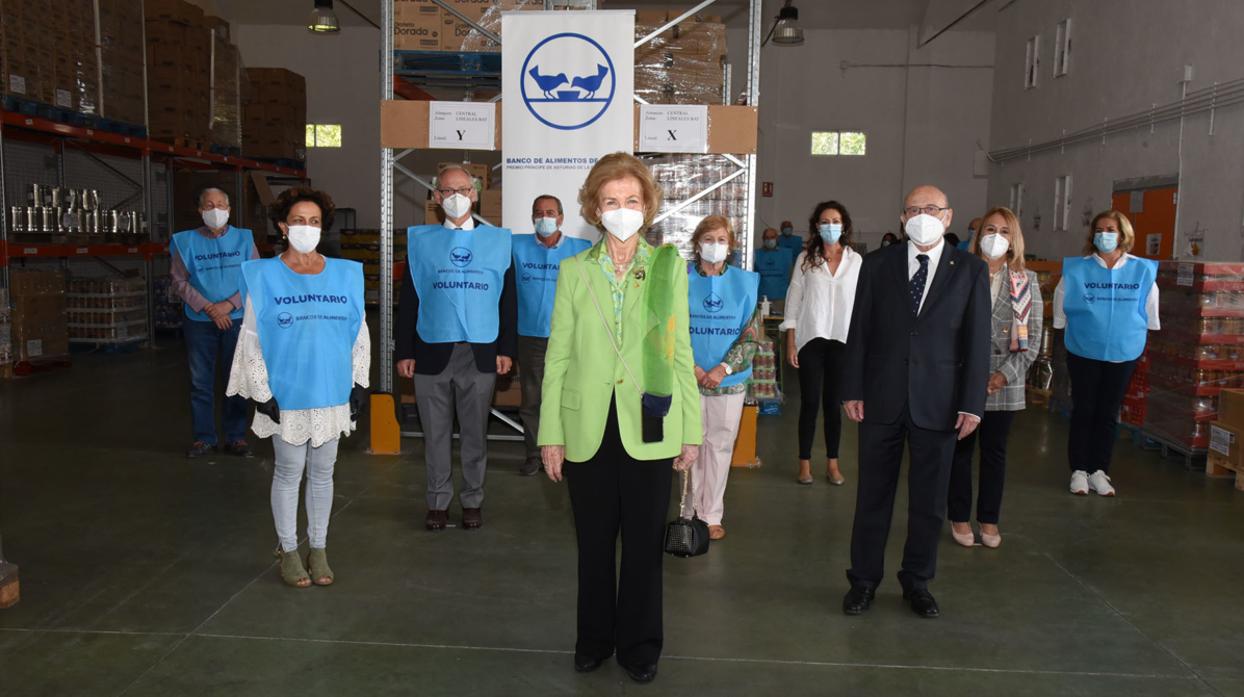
x=1231, y=408
x=1225, y=440
x=417, y=25
x=732, y=129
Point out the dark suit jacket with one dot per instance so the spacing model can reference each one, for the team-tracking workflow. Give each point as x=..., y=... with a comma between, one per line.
x=936, y=363
x=431, y=359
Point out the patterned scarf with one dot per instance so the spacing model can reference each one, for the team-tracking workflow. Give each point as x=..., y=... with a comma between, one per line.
x=1021, y=303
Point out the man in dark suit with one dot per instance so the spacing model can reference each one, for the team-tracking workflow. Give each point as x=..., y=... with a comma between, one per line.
x=917, y=362
x=456, y=332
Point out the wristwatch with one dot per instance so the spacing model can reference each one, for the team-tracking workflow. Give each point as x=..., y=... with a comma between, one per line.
x=727, y=367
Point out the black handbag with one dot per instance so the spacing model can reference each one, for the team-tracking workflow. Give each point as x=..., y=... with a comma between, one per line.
x=686, y=536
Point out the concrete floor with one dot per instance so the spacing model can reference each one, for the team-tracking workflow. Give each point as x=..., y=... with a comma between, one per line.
x=147, y=574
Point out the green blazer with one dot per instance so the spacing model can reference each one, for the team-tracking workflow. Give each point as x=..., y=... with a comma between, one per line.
x=582, y=372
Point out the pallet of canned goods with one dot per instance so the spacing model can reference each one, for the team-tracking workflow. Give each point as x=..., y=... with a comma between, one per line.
x=110, y=310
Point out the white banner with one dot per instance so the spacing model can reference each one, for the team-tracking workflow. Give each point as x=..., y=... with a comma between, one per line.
x=567, y=84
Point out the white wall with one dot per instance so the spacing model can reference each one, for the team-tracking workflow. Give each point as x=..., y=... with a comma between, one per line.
x=1126, y=56
x=923, y=123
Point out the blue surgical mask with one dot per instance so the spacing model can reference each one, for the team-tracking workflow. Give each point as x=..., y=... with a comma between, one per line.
x=1106, y=242
x=546, y=226
x=830, y=232
x=788, y=230
x=770, y=243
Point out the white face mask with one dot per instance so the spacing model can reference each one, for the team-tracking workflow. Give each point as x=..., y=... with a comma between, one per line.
x=456, y=206
x=924, y=229
x=714, y=252
x=622, y=223
x=545, y=226
x=304, y=238
x=994, y=245
x=216, y=218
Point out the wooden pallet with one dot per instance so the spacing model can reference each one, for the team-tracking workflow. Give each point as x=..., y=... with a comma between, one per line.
x=1219, y=466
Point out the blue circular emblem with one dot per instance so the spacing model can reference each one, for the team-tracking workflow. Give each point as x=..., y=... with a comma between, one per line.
x=567, y=81
x=284, y=320
x=713, y=302
x=461, y=256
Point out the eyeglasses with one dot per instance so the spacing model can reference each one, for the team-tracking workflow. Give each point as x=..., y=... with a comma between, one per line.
x=927, y=210
x=446, y=193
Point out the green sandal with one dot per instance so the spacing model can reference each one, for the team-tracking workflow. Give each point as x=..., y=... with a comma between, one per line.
x=321, y=574
x=293, y=573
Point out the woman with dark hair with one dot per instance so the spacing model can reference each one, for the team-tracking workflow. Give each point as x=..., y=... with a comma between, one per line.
x=303, y=357
x=818, y=315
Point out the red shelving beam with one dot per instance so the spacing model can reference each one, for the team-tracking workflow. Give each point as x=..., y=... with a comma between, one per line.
x=41, y=125
x=43, y=250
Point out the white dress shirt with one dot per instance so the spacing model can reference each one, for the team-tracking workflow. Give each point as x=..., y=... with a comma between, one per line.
x=995, y=285
x=1151, y=302
x=818, y=303
x=468, y=224
x=913, y=265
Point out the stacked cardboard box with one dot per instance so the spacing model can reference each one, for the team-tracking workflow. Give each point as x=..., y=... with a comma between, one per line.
x=38, y=317
x=363, y=246
x=121, y=61
x=6, y=331
x=421, y=25
x=416, y=25
x=682, y=176
x=682, y=65
x=226, y=97
x=274, y=115
x=1226, y=449
x=1198, y=353
x=179, y=55
x=49, y=56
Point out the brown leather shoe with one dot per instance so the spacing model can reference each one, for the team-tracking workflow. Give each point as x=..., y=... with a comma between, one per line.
x=436, y=520
x=471, y=518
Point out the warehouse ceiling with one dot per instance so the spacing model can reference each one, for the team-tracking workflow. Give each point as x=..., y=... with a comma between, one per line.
x=814, y=14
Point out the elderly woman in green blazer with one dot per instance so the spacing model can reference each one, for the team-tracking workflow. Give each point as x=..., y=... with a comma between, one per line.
x=620, y=411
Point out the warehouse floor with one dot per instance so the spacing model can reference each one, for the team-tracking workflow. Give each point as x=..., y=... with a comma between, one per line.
x=147, y=574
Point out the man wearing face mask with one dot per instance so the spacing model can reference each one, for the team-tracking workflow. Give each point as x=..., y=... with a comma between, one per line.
x=773, y=263
x=455, y=333
x=973, y=227
x=917, y=364
x=790, y=241
x=536, y=261
x=206, y=270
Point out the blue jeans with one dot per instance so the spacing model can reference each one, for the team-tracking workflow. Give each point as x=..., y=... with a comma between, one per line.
x=205, y=345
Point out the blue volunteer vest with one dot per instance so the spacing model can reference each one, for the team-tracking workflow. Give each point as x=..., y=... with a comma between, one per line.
x=307, y=325
x=458, y=275
x=792, y=243
x=721, y=307
x=215, y=265
x=774, y=268
x=535, y=271
x=1105, y=308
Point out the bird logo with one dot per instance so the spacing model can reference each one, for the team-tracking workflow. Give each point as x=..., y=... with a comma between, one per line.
x=567, y=81
x=713, y=302
x=460, y=256
x=285, y=320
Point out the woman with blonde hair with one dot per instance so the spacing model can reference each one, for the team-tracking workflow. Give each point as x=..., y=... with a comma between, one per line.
x=1017, y=324
x=620, y=407
x=1107, y=301
x=726, y=329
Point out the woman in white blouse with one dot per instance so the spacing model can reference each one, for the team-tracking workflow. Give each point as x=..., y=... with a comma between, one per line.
x=818, y=315
x=1106, y=302
x=303, y=357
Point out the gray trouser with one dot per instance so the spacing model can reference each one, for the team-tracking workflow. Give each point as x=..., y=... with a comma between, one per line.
x=462, y=388
x=531, y=375
x=290, y=463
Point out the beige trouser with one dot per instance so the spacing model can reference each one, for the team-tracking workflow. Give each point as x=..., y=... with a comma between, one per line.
x=720, y=414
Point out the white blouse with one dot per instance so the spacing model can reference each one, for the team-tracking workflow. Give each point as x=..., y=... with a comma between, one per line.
x=249, y=378
x=818, y=303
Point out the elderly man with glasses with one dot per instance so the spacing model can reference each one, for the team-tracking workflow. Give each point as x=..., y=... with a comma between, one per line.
x=456, y=332
x=917, y=363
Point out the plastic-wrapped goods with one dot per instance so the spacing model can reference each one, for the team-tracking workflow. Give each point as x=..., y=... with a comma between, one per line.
x=38, y=314
x=1198, y=353
x=226, y=104
x=415, y=24
x=49, y=57
x=274, y=114
x=763, y=386
x=106, y=310
x=682, y=176
x=682, y=65
x=179, y=61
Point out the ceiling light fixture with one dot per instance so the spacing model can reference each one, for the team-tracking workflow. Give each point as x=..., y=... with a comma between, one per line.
x=323, y=19
x=786, y=30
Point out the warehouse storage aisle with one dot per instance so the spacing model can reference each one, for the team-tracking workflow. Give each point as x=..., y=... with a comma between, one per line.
x=144, y=573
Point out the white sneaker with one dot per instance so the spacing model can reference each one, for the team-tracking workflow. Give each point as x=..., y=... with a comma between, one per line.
x=1079, y=483
x=1101, y=483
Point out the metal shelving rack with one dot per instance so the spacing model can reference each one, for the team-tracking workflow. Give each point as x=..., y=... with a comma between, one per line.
x=390, y=63
x=124, y=170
